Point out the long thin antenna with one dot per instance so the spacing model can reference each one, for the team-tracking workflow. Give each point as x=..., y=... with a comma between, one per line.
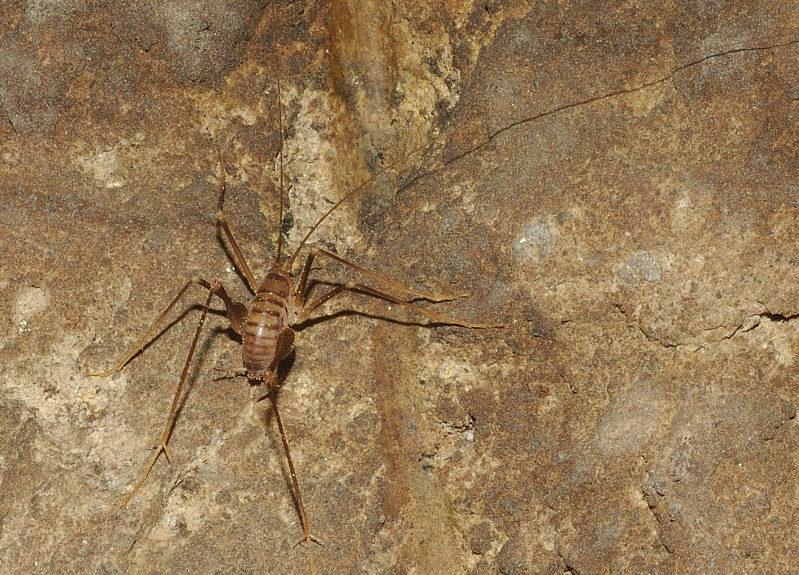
x=348, y=196
x=280, y=146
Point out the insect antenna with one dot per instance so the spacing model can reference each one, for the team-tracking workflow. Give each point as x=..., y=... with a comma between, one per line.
x=280, y=153
x=348, y=195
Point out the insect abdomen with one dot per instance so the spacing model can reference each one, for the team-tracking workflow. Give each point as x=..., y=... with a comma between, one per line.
x=271, y=312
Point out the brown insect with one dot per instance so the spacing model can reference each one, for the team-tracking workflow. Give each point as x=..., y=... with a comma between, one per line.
x=266, y=325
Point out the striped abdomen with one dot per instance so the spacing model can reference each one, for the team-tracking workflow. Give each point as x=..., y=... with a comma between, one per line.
x=271, y=312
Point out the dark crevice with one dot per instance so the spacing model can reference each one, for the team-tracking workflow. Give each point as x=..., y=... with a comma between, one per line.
x=778, y=316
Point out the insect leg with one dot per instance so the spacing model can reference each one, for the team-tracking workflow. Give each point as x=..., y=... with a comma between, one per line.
x=385, y=281
x=236, y=313
x=161, y=447
x=220, y=216
x=306, y=530
x=357, y=287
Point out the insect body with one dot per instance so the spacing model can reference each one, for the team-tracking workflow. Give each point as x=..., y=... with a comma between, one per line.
x=267, y=336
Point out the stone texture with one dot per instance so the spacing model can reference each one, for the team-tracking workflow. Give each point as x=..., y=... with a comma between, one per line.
x=617, y=184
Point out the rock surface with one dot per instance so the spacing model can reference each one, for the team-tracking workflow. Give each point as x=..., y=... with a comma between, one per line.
x=618, y=185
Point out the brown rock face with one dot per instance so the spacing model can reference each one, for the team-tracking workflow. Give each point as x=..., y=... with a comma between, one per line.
x=618, y=184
